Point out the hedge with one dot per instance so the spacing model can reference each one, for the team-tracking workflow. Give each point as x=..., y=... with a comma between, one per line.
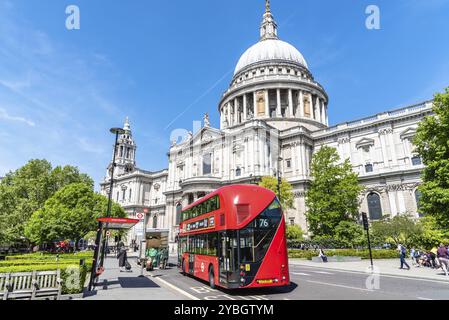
x=40, y=256
x=25, y=262
x=364, y=254
x=65, y=273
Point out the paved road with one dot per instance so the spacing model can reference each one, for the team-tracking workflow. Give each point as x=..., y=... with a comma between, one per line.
x=312, y=283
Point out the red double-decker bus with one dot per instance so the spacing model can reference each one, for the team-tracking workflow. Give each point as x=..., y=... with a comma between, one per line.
x=235, y=238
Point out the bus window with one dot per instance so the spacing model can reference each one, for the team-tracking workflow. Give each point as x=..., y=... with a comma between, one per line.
x=259, y=233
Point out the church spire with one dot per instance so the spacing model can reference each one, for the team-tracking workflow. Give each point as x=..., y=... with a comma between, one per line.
x=126, y=126
x=268, y=29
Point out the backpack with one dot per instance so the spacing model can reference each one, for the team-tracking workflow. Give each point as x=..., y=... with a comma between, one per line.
x=127, y=266
x=403, y=250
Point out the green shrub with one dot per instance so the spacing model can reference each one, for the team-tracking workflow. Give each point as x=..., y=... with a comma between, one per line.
x=25, y=262
x=364, y=254
x=65, y=273
x=46, y=256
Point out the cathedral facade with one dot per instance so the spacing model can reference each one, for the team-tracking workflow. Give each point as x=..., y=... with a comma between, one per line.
x=273, y=118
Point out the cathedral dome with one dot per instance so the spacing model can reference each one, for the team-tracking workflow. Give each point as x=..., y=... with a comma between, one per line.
x=270, y=50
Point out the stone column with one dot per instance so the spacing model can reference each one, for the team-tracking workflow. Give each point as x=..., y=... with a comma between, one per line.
x=229, y=113
x=236, y=110
x=255, y=111
x=293, y=153
x=278, y=103
x=301, y=104
x=290, y=102
x=245, y=108
x=318, y=108
x=267, y=103
x=392, y=198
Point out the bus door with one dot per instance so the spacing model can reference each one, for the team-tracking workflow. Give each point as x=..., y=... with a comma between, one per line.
x=191, y=263
x=228, y=257
x=222, y=257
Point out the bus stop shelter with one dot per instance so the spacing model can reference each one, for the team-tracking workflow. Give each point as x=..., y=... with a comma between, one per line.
x=109, y=224
x=118, y=223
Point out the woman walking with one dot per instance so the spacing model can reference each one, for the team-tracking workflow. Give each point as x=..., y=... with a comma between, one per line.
x=122, y=256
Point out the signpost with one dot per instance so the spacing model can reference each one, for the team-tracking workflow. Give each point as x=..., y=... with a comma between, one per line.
x=366, y=227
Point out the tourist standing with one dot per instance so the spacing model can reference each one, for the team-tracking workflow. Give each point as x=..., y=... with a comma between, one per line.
x=402, y=252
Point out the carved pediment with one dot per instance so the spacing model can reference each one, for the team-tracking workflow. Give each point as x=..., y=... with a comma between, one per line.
x=408, y=134
x=365, y=142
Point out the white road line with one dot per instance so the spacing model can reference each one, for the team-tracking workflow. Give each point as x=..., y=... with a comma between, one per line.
x=412, y=278
x=421, y=298
x=322, y=272
x=300, y=274
x=339, y=285
x=192, y=297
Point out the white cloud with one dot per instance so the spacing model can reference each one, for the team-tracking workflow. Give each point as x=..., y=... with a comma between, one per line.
x=5, y=116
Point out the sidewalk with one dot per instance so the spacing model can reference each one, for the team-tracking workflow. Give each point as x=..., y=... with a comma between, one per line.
x=385, y=267
x=116, y=285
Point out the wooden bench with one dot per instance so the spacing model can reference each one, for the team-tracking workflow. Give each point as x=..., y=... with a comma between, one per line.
x=31, y=285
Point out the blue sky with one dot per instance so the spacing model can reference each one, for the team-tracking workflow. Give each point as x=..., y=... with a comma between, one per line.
x=61, y=90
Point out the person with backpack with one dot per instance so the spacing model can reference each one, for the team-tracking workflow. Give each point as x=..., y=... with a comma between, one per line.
x=403, y=253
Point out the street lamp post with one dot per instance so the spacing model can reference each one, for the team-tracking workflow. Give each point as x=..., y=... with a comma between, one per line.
x=279, y=177
x=117, y=132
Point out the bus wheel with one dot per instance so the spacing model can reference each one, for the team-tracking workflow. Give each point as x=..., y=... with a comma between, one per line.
x=211, y=278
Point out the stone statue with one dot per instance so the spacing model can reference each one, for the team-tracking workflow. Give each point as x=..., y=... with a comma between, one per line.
x=206, y=120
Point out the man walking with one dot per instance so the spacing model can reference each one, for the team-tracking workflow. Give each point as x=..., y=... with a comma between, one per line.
x=403, y=254
x=443, y=257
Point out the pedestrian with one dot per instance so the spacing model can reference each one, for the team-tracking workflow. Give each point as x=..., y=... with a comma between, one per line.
x=122, y=256
x=322, y=255
x=402, y=252
x=443, y=258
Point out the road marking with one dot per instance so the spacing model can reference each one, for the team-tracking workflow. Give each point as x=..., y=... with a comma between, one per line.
x=421, y=298
x=300, y=274
x=339, y=285
x=322, y=272
x=176, y=288
x=442, y=281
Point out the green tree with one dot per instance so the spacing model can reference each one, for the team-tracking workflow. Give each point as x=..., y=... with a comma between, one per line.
x=350, y=234
x=333, y=193
x=432, y=144
x=25, y=191
x=294, y=232
x=399, y=229
x=271, y=183
x=432, y=234
x=69, y=214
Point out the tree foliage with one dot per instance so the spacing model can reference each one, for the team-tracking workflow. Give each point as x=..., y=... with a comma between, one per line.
x=271, y=183
x=25, y=191
x=432, y=144
x=400, y=229
x=69, y=214
x=333, y=193
x=294, y=232
x=350, y=234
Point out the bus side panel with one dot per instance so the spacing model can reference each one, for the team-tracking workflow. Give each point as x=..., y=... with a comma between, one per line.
x=275, y=263
x=202, y=264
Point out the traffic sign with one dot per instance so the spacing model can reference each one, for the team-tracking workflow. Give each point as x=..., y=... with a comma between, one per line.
x=108, y=233
x=145, y=210
x=140, y=216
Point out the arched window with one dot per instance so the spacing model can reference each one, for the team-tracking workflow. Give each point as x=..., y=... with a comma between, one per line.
x=178, y=213
x=418, y=196
x=374, y=206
